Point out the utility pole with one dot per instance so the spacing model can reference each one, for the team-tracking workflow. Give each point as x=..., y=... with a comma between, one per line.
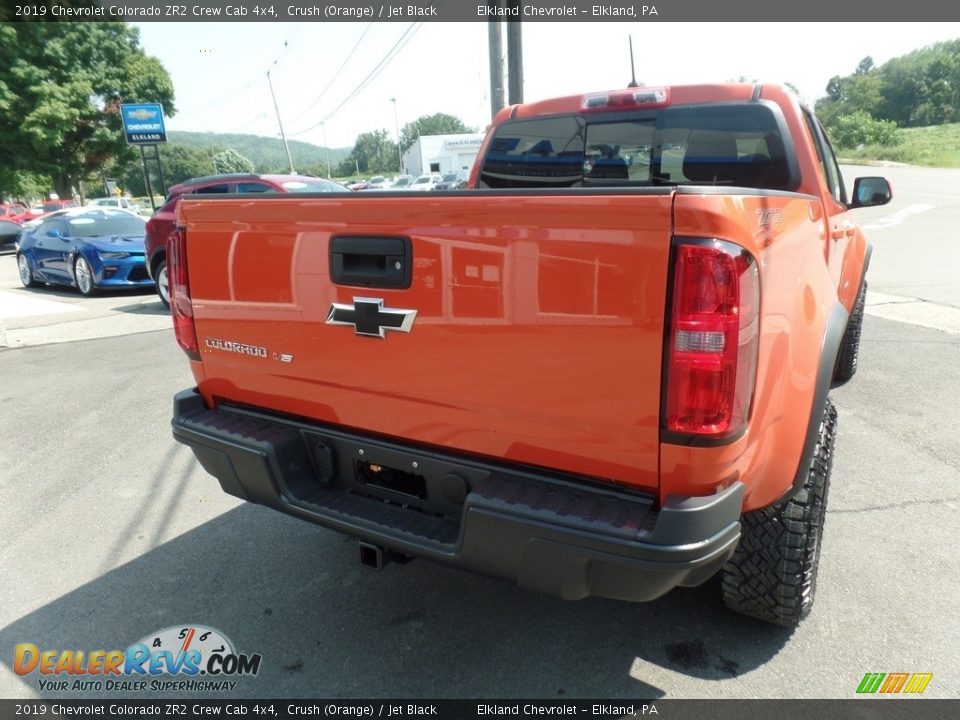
x=496, y=63
x=326, y=147
x=275, y=107
x=396, y=122
x=146, y=178
x=514, y=58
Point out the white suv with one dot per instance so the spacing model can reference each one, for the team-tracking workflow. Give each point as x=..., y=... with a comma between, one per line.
x=120, y=202
x=425, y=182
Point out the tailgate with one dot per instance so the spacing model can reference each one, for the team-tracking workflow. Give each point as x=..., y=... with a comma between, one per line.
x=537, y=337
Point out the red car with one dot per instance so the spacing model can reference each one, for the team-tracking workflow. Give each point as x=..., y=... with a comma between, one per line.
x=52, y=205
x=162, y=222
x=48, y=206
x=15, y=212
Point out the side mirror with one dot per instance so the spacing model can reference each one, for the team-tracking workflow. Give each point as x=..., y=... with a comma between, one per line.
x=871, y=191
x=54, y=234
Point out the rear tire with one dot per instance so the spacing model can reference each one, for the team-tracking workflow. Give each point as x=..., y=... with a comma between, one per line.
x=772, y=575
x=846, y=366
x=163, y=283
x=26, y=273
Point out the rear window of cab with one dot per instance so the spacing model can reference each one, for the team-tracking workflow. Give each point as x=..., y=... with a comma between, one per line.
x=729, y=144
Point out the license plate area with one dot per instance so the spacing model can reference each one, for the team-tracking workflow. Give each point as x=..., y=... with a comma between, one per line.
x=415, y=480
x=400, y=482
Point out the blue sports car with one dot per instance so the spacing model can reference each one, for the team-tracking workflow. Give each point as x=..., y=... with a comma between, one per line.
x=87, y=248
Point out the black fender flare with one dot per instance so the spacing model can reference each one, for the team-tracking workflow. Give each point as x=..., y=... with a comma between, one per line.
x=836, y=327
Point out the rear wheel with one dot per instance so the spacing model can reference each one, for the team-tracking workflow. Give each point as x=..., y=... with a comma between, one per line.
x=26, y=274
x=772, y=575
x=84, y=276
x=850, y=347
x=163, y=283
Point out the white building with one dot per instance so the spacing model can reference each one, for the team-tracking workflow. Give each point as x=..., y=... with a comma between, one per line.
x=442, y=154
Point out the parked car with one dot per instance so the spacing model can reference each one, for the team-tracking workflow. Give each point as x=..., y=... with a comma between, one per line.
x=403, y=182
x=120, y=202
x=425, y=182
x=9, y=232
x=57, y=204
x=15, y=212
x=40, y=217
x=377, y=182
x=161, y=223
x=86, y=248
x=41, y=212
x=451, y=181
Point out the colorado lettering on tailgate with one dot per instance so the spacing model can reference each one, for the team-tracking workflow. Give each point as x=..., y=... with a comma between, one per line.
x=593, y=399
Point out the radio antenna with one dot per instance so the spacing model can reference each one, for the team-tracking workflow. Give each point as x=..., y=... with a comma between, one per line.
x=633, y=73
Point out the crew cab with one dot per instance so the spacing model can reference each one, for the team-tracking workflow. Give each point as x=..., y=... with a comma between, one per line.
x=600, y=370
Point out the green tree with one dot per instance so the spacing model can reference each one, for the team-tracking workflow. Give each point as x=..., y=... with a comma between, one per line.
x=436, y=124
x=373, y=152
x=866, y=66
x=860, y=92
x=835, y=88
x=23, y=185
x=180, y=162
x=916, y=89
x=347, y=168
x=231, y=161
x=859, y=128
x=7, y=11
x=60, y=92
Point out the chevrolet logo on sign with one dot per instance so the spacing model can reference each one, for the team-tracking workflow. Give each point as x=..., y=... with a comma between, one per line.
x=370, y=318
x=142, y=114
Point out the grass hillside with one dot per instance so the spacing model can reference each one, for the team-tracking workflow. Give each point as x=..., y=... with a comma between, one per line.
x=936, y=146
x=266, y=153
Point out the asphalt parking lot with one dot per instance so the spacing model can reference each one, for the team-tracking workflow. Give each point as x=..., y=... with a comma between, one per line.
x=113, y=532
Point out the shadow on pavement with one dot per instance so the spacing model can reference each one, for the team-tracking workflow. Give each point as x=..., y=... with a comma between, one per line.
x=54, y=291
x=327, y=627
x=145, y=307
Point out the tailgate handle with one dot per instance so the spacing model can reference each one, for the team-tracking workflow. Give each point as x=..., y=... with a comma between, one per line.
x=380, y=262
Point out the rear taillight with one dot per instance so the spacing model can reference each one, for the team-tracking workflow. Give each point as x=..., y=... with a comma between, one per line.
x=712, y=340
x=181, y=306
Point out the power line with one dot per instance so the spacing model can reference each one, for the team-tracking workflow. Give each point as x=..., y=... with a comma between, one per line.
x=387, y=59
x=232, y=93
x=337, y=73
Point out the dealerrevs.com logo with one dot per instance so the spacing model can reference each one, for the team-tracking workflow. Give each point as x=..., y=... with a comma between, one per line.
x=182, y=658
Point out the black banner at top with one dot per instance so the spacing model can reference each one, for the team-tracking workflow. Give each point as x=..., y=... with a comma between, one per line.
x=642, y=11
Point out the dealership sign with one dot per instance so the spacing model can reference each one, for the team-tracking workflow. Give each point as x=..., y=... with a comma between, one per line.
x=143, y=124
x=462, y=142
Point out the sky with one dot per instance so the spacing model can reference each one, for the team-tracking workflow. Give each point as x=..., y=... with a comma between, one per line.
x=328, y=89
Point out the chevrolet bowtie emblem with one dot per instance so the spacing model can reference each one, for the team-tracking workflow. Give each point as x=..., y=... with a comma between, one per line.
x=369, y=317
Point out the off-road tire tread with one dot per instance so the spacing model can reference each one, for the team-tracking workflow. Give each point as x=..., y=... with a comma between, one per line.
x=846, y=366
x=773, y=572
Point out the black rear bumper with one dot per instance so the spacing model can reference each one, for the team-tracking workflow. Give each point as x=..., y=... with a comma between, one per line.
x=550, y=534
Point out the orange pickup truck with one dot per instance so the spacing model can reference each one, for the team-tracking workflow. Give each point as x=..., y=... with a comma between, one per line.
x=601, y=369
